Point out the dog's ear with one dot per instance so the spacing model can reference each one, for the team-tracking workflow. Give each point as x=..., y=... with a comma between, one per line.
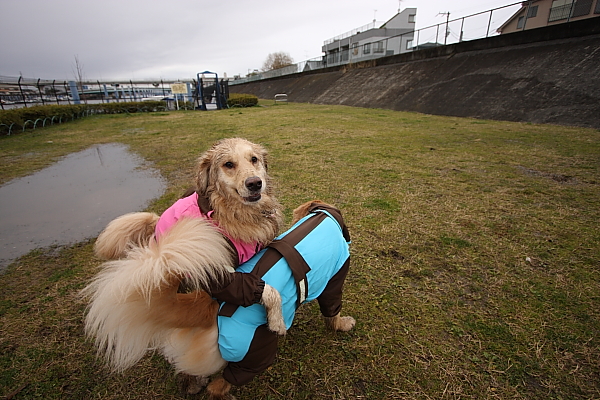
x=263, y=153
x=203, y=172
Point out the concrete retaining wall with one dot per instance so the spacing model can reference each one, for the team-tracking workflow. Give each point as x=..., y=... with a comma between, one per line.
x=545, y=75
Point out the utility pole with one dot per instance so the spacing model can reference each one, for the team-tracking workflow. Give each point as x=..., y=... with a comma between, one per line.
x=570, y=12
x=526, y=13
x=447, y=14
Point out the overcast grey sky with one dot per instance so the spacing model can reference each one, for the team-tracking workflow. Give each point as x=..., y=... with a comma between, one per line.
x=175, y=39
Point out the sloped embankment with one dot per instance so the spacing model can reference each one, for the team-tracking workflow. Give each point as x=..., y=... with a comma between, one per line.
x=545, y=75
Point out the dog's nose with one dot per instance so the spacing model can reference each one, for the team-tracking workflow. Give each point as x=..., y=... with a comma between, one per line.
x=254, y=183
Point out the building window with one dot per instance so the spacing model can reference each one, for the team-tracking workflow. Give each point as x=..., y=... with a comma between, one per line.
x=367, y=48
x=582, y=7
x=532, y=12
x=409, y=44
x=333, y=57
x=597, y=10
x=345, y=55
x=378, y=48
x=560, y=10
x=354, y=49
x=411, y=18
x=520, y=22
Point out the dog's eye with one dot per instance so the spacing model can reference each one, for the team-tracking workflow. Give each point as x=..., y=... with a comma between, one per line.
x=229, y=165
x=254, y=160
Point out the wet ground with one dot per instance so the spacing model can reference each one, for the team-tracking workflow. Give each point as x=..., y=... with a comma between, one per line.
x=73, y=199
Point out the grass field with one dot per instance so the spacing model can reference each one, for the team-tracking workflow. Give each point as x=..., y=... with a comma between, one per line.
x=476, y=257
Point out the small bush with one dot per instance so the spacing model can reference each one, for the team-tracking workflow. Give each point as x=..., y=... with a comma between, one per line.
x=15, y=119
x=242, y=100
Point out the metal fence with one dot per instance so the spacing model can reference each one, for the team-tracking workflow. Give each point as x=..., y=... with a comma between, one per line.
x=475, y=26
x=15, y=92
x=18, y=92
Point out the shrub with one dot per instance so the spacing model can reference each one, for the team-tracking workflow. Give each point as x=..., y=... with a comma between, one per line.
x=242, y=100
x=16, y=119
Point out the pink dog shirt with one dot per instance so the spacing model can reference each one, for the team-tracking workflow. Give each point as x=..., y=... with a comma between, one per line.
x=188, y=207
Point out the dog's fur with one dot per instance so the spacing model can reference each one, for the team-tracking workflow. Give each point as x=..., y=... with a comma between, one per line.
x=135, y=305
x=134, y=300
x=141, y=274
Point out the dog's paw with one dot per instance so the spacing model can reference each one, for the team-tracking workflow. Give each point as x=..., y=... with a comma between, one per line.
x=346, y=323
x=219, y=389
x=191, y=384
x=278, y=326
x=337, y=323
x=271, y=300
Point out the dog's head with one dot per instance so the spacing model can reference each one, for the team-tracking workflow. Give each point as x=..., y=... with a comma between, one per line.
x=234, y=168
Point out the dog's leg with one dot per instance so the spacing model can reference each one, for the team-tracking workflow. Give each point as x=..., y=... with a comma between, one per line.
x=219, y=390
x=338, y=323
x=271, y=300
x=191, y=384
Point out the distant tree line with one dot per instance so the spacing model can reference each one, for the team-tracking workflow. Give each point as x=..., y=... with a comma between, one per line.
x=277, y=60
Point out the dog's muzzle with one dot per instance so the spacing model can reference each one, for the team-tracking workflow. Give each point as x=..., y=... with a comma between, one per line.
x=254, y=185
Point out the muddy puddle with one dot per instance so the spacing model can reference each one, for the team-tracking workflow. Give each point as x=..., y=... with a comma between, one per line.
x=73, y=199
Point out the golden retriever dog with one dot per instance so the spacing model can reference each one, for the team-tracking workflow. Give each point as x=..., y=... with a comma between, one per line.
x=232, y=185
x=230, y=216
x=135, y=304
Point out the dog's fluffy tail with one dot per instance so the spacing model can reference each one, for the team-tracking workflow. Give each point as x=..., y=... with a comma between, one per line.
x=120, y=314
x=127, y=231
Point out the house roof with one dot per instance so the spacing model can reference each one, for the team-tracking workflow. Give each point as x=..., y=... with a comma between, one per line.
x=516, y=14
x=386, y=22
x=397, y=14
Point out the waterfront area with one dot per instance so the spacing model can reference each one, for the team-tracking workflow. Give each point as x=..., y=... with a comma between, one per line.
x=73, y=199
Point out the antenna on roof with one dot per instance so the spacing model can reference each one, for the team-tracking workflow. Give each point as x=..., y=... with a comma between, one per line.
x=399, y=5
x=374, y=15
x=447, y=14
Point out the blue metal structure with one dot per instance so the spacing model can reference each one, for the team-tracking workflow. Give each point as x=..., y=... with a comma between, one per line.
x=210, y=92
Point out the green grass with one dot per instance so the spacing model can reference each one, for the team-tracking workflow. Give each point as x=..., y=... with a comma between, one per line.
x=474, y=243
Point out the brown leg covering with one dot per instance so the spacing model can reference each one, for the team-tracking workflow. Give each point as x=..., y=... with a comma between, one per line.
x=260, y=356
x=330, y=301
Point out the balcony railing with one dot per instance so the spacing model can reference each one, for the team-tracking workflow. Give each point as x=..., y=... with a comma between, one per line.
x=560, y=12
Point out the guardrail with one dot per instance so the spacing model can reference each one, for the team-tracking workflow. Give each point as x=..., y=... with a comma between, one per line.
x=17, y=92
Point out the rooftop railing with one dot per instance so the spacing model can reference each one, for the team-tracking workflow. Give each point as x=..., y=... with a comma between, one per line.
x=372, y=25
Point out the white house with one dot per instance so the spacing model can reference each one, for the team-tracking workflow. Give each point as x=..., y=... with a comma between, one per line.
x=540, y=13
x=393, y=37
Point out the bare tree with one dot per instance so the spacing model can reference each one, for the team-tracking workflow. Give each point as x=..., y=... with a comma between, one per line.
x=277, y=60
x=78, y=72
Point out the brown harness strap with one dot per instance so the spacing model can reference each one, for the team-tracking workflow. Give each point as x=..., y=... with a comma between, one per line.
x=293, y=238
x=297, y=264
x=292, y=256
x=335, y=213
x=228, y=309
x=285, y=247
